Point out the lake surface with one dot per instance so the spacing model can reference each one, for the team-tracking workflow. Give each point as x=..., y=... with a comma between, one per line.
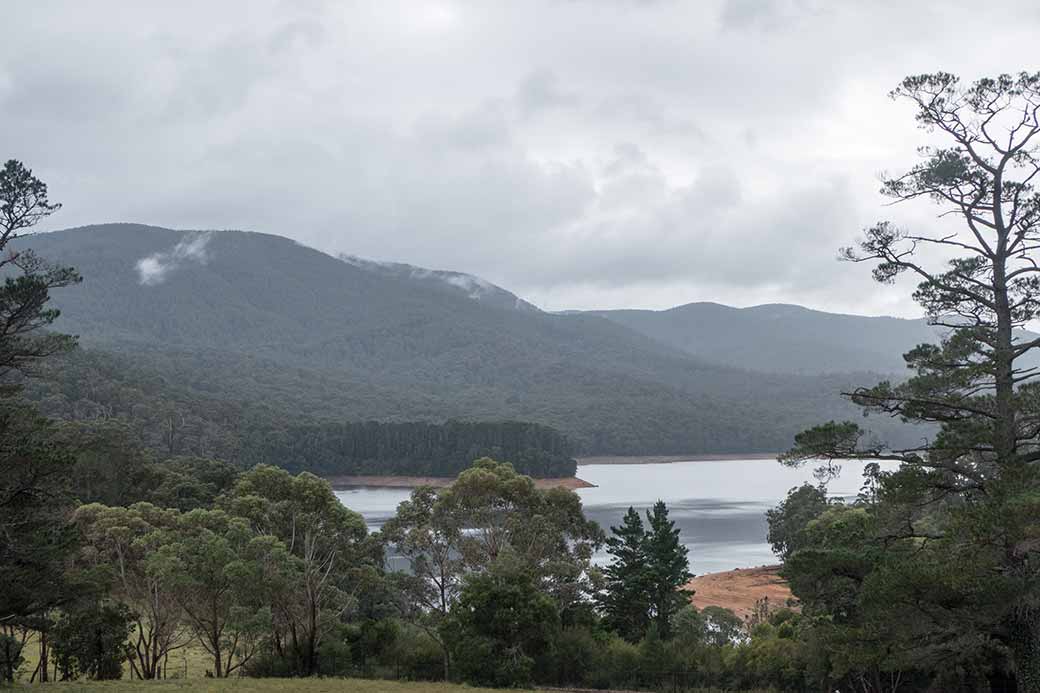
x=719, y=505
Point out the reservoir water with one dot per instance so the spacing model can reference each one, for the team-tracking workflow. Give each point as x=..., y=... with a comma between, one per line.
x=718, y=505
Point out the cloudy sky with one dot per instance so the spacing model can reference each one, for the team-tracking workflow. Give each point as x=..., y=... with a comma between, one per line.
x=582, y=153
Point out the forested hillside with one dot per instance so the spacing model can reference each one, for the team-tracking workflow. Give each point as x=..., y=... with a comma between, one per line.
x=255, y=319
x=104, y=394
x=781, y=338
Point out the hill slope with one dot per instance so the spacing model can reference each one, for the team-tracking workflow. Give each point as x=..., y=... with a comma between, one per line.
x=250, y=316
x=780, y=338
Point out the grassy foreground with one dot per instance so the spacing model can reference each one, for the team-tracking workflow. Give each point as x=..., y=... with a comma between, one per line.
x=246, y=685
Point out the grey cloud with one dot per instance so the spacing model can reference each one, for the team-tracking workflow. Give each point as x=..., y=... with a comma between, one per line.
x=580, y=153
x=769, y=15
x=482, y=128
x=540, y=91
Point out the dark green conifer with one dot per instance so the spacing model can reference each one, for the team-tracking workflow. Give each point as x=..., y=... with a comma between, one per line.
x=625, y=601
x=667, y=569
x=644, y=582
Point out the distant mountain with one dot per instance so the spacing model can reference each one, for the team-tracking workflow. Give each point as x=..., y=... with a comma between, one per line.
x=780, y=338
x=254, y=317
x=467, y=285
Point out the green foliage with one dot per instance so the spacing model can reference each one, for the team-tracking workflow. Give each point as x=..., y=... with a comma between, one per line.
x=28, y=279
x=119, y=546
x=187, y=483
x=625, y=600
x=643, y=585
x=34, y=489
x=951, y=537
x=668, y=568
x=333, y=561
x=496, y=514
x=689, y=627
x=490, y=517
x=11, y=657
x=90, y=640
x=501, y=623
x=416, y=655
x=110, y=467
x=213, y=563
x=721, y=626
x=423, y=449
x=788, y=520
x=35, y=502
x=104, y=396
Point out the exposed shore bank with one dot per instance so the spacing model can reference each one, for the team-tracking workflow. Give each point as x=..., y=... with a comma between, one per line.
x=668, y=459
x=740, y=589
x=345, y=482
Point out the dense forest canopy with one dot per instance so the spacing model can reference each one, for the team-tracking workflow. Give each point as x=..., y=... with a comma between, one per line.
x=417, y=448
x=91, y=390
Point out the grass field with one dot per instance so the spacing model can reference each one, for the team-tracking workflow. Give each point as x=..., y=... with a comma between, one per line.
x=244, y=685
x=189, y=662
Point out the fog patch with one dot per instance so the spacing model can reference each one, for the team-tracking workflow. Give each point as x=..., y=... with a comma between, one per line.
x=155, y=268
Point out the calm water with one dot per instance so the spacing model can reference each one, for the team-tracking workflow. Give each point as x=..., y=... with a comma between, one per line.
x=719, y=506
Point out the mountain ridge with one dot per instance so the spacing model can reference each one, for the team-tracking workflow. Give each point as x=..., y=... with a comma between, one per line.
x=197, y=305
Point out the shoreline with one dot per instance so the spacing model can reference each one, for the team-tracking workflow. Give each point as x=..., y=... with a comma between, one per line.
x=377, y=481
x=670, y=459
x=404, y=481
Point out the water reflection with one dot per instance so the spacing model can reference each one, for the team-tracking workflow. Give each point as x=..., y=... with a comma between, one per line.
x=719, y=506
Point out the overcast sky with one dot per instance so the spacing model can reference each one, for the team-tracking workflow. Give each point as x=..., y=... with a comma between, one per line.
x=599, y=153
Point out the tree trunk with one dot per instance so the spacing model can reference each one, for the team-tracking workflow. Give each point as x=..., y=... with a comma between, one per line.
x=1004, y=433
x=1004, y=442
x=44, y=656
x=218, y=662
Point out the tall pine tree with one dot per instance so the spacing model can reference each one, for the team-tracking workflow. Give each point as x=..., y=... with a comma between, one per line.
x=667, y=568
x=956, y=528
x=625, y=602
x=644, y=582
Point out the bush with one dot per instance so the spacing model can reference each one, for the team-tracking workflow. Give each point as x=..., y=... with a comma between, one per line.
x=268, y=665
x=10, y=657
x=618, y=666
x=576, y=658
x=415, y=655
x=91, y=640
x=497, y=628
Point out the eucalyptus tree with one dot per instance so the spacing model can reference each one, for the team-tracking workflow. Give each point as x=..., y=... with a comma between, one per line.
x=214, y=564
x=335, y=560
x=489, y=519
x=964, y=507
x=428, y=538
x=121, y=545
x=495, y=511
